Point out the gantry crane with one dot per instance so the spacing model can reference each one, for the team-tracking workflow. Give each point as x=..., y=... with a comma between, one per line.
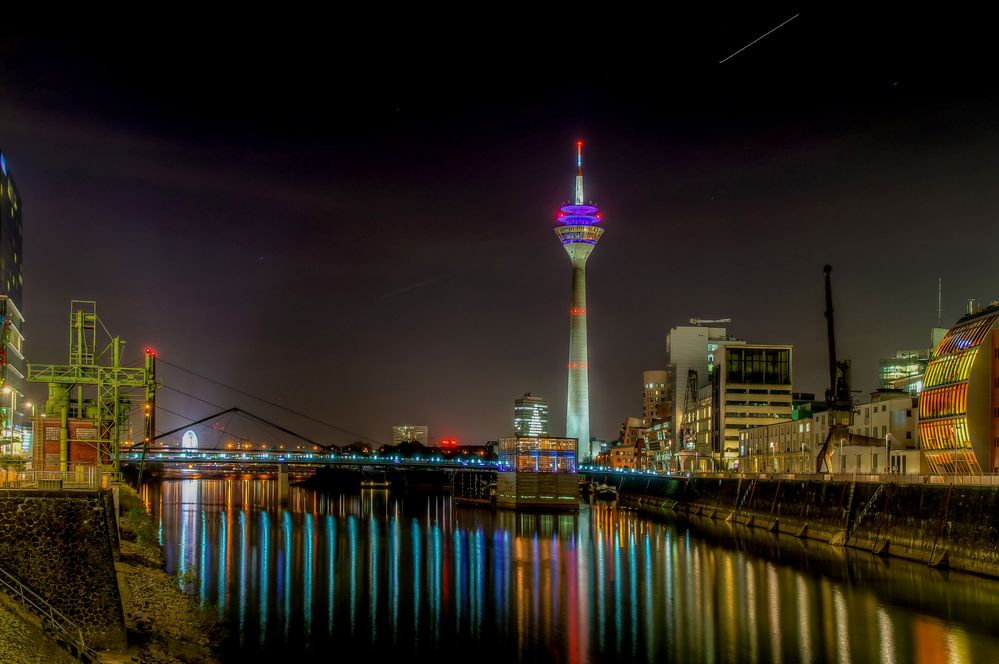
x=108, y=408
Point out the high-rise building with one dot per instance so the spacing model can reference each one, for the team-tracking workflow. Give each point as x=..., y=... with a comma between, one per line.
x=12, y=364
x=579, y=232
x=406, y=433
x=752, y=387
x=530, y=416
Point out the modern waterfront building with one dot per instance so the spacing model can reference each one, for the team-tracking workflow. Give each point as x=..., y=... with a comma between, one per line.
x=579, y=231
x=530, y=416
x=537, y=471
x=12, y=363
x=692, y=348
x=405, y=433
x=959, y=404
x=905, y=366
x=751, y=387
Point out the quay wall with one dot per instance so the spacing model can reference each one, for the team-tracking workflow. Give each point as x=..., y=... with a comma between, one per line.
x=63, y=545
x=943, y=525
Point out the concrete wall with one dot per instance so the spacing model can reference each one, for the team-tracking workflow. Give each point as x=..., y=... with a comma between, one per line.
x=938, y=524
x=549, y=490
x=62, y=545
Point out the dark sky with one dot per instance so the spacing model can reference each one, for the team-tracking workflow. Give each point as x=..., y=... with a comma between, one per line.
x=353, y=215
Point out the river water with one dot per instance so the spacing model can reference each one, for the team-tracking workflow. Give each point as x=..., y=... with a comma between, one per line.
x=339, y=575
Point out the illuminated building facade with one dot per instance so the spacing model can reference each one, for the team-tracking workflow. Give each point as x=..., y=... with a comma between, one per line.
x=530, y=416
x=405, y=433
x=905, y=370
x=959, y=404
x=537, y=471
x=579, y=231
x=883, y=438
x=12, y=364
x=656, y=404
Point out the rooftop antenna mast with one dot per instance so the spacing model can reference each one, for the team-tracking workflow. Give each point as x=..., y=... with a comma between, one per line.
x=578, y=193
x=939, y=300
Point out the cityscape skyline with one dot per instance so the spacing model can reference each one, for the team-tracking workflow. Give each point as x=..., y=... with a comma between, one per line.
x=726, y=206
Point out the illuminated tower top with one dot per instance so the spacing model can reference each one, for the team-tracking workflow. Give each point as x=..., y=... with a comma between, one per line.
x=578, y=221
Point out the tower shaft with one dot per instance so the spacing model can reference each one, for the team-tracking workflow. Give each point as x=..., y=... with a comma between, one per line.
x=577, y=413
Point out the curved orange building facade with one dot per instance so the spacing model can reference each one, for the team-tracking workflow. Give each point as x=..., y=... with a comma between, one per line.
x=959, y=404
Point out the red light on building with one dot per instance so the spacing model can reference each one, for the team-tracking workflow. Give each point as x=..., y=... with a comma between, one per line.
x=449, y=442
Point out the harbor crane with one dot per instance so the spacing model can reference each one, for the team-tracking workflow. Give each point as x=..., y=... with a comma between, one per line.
x=838, y=398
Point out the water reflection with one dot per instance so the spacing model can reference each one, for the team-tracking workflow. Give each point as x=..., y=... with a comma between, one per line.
x=369, y=574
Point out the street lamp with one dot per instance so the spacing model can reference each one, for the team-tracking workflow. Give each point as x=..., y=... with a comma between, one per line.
x=10, y=418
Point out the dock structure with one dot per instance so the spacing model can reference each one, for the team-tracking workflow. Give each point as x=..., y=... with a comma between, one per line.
x=537, y=472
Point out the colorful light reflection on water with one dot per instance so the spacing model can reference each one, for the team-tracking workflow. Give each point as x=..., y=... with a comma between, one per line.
x=372, y=574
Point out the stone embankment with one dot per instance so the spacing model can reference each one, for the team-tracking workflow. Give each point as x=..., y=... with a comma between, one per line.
x=61, y=545
x=942, y=525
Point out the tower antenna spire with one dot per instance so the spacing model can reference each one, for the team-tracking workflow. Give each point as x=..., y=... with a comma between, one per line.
x=939, y=299
x=578, y=198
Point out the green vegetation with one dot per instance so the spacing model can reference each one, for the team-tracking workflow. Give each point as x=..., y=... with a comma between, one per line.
x=187, y=581
x=138, y=522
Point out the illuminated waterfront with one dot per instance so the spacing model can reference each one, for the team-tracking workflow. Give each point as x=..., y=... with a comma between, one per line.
x=370, y=573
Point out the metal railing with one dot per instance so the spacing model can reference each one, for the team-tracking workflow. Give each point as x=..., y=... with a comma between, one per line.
x=874, y=478
x=82, y=478
x=68, y=633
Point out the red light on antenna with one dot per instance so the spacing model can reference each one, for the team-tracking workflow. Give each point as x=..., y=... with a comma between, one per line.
x=579, y=143
x=150, y=351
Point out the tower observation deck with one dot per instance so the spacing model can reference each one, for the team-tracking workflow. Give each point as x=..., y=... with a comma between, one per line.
x=579, y=231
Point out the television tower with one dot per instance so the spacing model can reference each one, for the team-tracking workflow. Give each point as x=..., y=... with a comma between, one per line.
x=578, y=231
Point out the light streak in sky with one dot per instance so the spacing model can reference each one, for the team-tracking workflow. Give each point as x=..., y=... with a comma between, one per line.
x=759, y=38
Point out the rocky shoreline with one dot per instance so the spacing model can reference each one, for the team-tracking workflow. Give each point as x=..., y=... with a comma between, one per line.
x=164, y=623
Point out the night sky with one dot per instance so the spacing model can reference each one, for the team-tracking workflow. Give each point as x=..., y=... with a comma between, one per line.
x=353, y=216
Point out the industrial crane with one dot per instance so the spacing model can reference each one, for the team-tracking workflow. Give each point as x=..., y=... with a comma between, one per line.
x=689, y=437
x=700, y=321
x=838, y=398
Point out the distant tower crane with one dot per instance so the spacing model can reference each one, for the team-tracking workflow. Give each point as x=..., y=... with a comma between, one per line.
x=838, y=397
